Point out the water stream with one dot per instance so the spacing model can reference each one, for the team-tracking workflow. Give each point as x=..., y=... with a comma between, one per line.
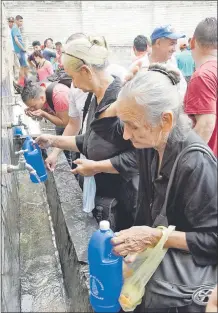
x=42, y=288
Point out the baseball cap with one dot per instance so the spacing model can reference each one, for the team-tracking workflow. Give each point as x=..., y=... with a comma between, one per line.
x=11, y=19
x=166, y=31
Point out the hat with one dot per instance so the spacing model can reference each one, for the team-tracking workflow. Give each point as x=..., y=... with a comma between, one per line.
x=11, y=19
x=165, y=31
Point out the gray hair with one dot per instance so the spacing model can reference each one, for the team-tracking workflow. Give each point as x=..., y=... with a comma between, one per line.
x=31, y=91
x=156, y=89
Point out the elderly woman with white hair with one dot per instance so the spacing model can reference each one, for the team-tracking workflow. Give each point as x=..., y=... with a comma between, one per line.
x=151, y=116
x=112, y=162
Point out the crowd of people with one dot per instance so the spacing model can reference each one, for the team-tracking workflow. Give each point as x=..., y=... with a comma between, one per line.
x=130, y=134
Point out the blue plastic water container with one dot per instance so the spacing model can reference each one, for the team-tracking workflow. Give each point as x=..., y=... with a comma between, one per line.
x=105, y=269
x=17, y=131
x=34, y=158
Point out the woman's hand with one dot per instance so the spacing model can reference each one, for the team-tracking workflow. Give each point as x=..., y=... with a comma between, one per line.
x=133, y=70
x=135, y=239
x=39, y=112
x=85, y=167
x=45, y=141
x=112, y=109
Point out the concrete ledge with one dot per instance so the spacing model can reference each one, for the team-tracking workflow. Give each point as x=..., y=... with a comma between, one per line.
x=73, y=229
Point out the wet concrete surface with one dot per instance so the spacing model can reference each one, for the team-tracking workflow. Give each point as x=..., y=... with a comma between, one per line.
x=42, y=287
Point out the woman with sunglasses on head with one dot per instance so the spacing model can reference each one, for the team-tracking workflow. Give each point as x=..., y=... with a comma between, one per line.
x=112, y=162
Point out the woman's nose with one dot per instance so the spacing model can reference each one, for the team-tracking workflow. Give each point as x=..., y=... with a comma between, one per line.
x=126, y=134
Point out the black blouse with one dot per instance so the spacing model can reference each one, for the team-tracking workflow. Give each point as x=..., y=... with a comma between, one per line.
x=192, y=205
x=101, y=141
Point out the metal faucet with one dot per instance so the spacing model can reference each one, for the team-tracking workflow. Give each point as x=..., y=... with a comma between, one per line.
x=21, y=166
x=19, y=123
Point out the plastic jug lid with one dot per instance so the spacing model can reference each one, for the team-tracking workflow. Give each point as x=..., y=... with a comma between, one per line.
x=104, y=225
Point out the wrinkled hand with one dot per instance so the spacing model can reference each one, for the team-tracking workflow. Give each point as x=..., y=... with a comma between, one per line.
x=51, y=161
x=133, y=70
x=85, y=167
x=112, y=109
x=45, y=141
x=135, y=239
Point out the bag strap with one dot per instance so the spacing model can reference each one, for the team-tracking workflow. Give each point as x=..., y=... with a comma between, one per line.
x=86, y=106
x=48, y=93
x=161, y=219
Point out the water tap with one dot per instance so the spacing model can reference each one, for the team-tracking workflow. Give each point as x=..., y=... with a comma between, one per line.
x=19, y=123
x=21, y=166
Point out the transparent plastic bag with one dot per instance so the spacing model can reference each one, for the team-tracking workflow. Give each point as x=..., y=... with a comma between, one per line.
x=138, y=273
x=89, y=191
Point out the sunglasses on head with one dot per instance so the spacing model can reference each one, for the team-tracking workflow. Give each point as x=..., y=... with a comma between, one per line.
x=71, y=55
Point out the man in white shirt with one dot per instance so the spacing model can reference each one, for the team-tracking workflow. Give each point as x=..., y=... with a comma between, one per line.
x=141, y=48
x=164, y=41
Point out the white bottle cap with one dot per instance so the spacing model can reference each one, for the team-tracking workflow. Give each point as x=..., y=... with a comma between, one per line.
x=104, y=225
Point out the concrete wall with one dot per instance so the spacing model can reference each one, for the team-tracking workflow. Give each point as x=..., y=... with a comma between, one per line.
x=119, y=21
x=73, y=229
x=10, y=293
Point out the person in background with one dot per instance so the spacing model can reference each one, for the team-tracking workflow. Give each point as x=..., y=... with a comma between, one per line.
x=16, y=65
x=44, y=67
x=164, y=41
x=185, y=62
x=140, y=47
x=48, y=53
x=10, y=22
x=201, y=97
x=20, y=51
x=58, y=46
x=36, y=47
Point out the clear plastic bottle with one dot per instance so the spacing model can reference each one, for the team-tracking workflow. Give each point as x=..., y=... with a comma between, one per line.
x=105, y=269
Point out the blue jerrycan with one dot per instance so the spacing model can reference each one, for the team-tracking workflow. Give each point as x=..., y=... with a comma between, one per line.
x=105, y=269
x=34, y=158
x=17, y=131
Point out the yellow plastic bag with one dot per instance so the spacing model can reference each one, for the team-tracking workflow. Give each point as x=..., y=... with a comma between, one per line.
x=138, y=273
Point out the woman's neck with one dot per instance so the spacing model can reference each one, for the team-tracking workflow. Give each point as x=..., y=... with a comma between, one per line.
x=102, y=82
x=160, y=149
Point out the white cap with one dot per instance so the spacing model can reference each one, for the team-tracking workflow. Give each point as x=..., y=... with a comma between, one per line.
x=104, y=225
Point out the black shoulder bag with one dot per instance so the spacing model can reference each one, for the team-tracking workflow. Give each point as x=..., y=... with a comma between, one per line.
x=179, y=281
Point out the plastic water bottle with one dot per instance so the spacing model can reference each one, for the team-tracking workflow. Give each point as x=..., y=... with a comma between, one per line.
x=105, y=269
x=34, y=158
x=17, y=131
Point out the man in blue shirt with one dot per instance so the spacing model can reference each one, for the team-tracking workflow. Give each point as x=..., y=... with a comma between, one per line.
x=185, y=62
x=20, y=50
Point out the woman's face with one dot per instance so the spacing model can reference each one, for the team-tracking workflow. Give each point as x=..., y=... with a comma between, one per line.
x=136, y=126
x=82, y=79
x=36, y=104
